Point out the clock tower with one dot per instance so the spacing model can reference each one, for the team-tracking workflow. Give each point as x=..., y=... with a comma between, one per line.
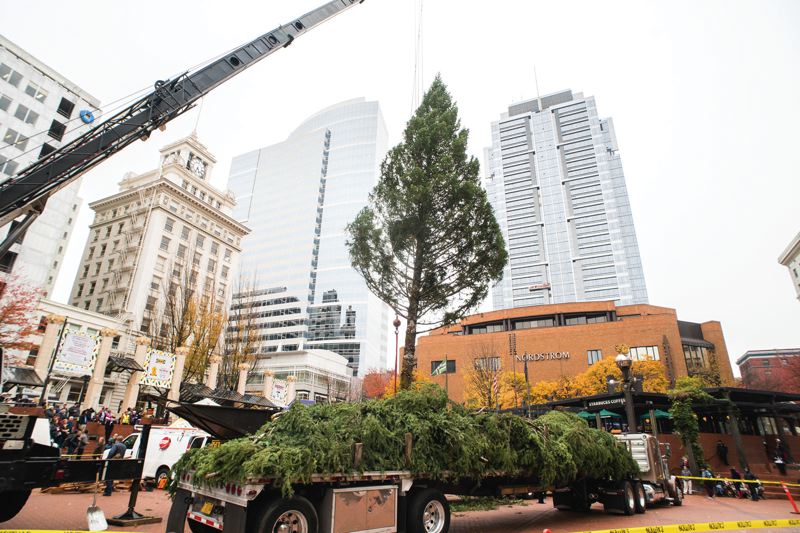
x=190, y=154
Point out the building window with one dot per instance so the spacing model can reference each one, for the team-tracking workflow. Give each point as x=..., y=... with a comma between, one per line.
x=57, y=130
x=46, y=149
x=10, y=75
x=214, y=248
x=105, y=283
x=185, y=233
x=15, y=139
x=8, y=167
x=5, y=102
x=85, y=271
x=65, y=108
x=224, y=272
x=164, y=243
x=486, y=328
x=169, y=224
x=644, y=353
x=451, y=366
x=97, y=268
x=228, y=254
x=696, y=357
x=80, y=290
x=534, y=323
x=212, y=265
x=181, y=251
x=110, y=265
x=594, y=356
x=36, y=92
x=485, y=363
x=151, y=303
x=99, y=305
x=102, y=250
x=765, y=362
x=26, y=115
x=200, y=241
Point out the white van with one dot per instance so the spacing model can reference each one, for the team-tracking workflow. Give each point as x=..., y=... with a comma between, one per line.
x=165, y=446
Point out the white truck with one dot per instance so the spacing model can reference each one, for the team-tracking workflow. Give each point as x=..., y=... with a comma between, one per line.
x=165, y=447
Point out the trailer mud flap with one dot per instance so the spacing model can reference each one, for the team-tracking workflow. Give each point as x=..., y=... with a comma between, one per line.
x=176, y=521
x=235, y=517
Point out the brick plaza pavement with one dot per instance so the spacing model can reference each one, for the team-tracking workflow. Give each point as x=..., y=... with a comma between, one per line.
x=68, y=511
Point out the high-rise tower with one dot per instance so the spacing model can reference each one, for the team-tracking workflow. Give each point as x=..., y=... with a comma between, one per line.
x=555, y=180
x=40, y=111
x=297, y=196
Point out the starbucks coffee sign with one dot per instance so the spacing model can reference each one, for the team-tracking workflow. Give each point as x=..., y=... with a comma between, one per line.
x=544, y=356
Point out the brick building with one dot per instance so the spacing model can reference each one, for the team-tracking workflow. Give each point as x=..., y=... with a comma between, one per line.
x=566, y=339
x=776, y=369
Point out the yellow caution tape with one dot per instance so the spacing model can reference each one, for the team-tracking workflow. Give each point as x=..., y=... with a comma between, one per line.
x=740, y=480
x=703, y=526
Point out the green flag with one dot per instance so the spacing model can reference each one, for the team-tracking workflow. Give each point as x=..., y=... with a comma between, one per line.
x=440, y=369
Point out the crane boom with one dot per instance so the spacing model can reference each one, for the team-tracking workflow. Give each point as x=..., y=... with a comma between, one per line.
x=23, y=194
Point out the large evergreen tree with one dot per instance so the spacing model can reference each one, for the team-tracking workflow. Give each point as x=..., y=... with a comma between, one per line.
x=428, y=243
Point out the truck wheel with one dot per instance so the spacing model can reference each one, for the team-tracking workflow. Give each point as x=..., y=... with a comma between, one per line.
x=628, y=498
x=428, y=512
x=15, y=501
x=288, y=515
x=162, y=473
x=672, y=491
x=641, y=498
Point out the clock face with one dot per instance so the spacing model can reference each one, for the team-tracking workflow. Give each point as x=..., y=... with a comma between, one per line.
x=197, y=166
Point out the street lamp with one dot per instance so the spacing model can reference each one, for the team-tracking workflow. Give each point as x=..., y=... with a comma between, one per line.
x=624, y=362
x=396, y=325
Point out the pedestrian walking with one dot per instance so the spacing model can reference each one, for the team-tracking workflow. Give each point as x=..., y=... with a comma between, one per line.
x=722, y=452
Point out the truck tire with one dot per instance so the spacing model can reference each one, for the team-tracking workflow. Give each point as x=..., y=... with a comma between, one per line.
x=628, y=498
x=428, y=512
x=13, y=502
x=672, y=491
x=574, y=499
x=641, y=497
x=162, y=472
x=296, y=513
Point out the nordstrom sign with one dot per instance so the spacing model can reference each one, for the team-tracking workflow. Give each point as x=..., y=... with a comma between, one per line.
x=545, y=356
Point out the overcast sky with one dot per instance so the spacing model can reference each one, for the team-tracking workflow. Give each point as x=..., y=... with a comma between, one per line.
x=704, y=97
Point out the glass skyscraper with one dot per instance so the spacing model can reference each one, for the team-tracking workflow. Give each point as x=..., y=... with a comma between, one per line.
x=555, y=180
x=297, y=196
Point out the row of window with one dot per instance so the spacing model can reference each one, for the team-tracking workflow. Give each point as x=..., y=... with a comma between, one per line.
x=544, y=322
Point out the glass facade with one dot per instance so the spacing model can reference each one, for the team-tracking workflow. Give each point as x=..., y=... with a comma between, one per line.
x=297, y=197
x=556, y=184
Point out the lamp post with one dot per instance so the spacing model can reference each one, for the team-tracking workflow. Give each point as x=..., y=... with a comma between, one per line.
x=396, y=325
x=624, y=362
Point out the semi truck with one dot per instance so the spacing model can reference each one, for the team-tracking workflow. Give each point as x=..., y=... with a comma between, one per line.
x=29, y=461
x=400, y=501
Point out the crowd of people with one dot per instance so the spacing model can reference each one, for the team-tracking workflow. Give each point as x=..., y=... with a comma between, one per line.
x=68, y=426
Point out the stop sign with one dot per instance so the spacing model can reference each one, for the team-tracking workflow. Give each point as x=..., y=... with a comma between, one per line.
x=165, y=442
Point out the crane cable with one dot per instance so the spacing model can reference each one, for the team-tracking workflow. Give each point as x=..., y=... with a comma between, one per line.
x=416, y=90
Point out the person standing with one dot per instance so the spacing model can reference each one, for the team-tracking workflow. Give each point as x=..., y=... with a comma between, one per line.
x=722, y=452
x=780, y=464
x=686, y=472
x=737, y=485
x=109, y=424
x=708, y=482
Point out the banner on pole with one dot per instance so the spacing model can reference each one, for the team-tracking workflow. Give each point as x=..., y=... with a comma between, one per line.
x=279, y=391
x=158, y=369
x=76, y=354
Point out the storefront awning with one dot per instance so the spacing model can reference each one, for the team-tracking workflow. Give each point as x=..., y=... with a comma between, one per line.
x=18, y=375
x=125, y=363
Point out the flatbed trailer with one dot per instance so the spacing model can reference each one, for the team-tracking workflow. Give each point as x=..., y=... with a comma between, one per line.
x=28, y=461
x=399, y=501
